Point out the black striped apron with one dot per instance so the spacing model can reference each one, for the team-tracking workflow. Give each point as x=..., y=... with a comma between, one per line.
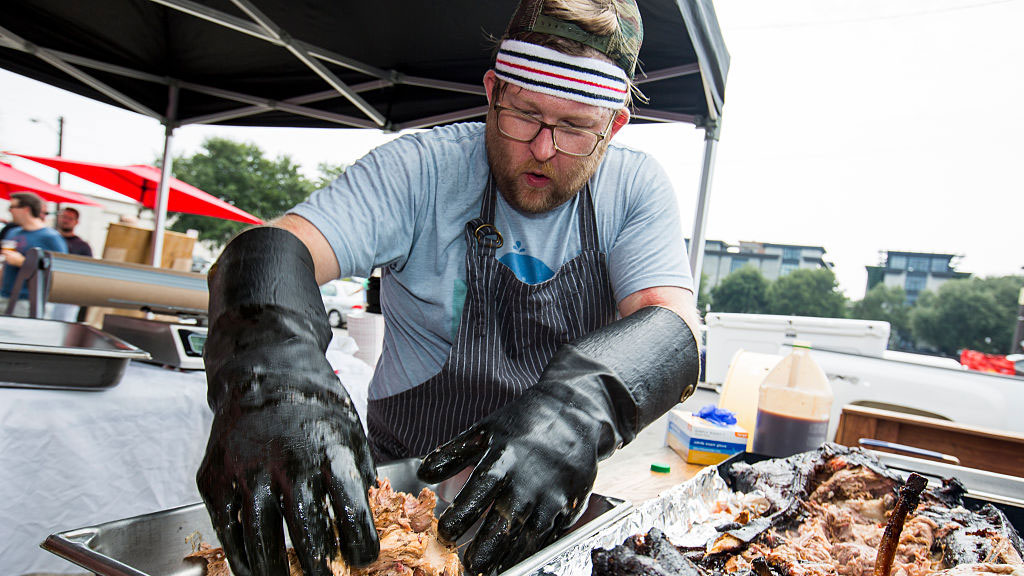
x=508, y=332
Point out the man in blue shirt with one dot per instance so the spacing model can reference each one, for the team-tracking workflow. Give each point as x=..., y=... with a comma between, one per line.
x=538, y=309
x=30, y=231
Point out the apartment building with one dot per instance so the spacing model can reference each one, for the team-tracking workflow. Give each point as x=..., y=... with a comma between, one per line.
x=773, y=260
x=915, y=272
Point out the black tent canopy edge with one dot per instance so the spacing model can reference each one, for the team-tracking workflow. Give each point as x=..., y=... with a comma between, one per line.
x=215, y=104
x=278, y=63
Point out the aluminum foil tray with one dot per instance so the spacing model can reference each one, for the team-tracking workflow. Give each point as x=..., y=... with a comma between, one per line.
x=36, y=353
x=684, y=513
x=156, y=544
x=677, y=513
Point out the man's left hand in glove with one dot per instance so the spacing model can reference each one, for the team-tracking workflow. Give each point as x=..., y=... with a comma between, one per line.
x=536, y=458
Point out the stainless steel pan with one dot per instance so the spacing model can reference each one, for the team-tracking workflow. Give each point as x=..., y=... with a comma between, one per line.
x=36, y=353
x=156, y=544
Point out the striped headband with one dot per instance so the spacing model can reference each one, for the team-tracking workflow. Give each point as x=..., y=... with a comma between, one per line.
x=587, y=80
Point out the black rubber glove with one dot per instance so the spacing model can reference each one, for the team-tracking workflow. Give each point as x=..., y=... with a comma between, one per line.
x=285, y=436
x=537, y=456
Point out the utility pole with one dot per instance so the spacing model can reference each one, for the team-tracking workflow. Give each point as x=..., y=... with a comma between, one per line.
x=1018, y=332
x=60, y=136
x=60, y=141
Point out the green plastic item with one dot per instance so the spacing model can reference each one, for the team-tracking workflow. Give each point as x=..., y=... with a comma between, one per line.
x=663, y=468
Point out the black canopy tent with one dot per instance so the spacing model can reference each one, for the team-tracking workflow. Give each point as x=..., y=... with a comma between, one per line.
x=387, y=64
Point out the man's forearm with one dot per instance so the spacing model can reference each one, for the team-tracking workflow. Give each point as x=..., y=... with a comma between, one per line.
x=324, y=260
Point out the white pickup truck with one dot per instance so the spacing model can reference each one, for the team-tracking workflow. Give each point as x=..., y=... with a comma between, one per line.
x=861, y=371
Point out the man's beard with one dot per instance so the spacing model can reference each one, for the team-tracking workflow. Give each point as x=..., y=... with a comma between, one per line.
x=66, y=230
x=562, y=186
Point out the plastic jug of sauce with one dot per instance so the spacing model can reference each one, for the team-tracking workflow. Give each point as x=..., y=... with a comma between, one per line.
x=793, y=406
x=743, y=384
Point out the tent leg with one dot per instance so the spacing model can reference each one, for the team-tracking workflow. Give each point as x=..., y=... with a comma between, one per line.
x=157, y=246
x=700, y=220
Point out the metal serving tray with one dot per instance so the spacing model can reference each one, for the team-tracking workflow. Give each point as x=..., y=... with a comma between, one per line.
x=155, y=544
x=36, y=353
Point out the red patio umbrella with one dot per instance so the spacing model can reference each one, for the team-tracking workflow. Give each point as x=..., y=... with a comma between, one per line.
x=140, y=183
x=14, y=180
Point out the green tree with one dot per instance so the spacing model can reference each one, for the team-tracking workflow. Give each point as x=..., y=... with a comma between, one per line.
x=328, y=172
x=239, y=174
x=888, y=303
x=703, y=295
x=744, y=291
x=807, y=293
x=924, y=321
x=975, y=313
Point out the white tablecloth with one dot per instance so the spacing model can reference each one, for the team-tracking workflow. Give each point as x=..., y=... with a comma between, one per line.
x=70, y=459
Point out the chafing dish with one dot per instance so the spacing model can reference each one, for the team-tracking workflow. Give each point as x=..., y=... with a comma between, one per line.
x=37, y=353
x=156, y=544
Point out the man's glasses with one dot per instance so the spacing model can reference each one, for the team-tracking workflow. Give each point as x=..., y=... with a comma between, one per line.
x=522, y=127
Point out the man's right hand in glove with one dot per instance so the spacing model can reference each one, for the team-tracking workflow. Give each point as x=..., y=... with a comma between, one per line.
x=286, y=443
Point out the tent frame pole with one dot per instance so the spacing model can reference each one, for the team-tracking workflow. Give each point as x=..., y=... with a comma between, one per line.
x=700, y=219
x=163, y=190
x=9, y=39
x=299, y=50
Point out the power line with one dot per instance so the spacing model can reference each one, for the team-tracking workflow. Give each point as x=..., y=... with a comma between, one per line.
x=880, y=18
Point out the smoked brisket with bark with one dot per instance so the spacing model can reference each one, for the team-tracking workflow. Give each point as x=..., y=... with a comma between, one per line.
x=827, y=514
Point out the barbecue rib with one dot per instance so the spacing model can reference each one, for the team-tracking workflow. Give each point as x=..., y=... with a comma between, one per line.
x=407, y=529
x=910, y=497
x=828, y=509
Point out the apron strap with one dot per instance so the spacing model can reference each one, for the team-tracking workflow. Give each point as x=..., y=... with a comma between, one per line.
x=482, y=229
x=587, y=219
x=489, y=239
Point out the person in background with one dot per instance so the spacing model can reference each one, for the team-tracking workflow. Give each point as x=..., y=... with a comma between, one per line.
x=67, y=219
x=538, y=303
x=7, y=225
x=27, y=213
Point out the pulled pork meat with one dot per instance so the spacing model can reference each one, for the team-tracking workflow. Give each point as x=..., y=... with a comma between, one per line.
x=407, y=529
x=827, y=514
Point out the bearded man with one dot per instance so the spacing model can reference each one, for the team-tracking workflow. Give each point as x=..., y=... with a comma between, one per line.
x=67, y=220
x=538, y=306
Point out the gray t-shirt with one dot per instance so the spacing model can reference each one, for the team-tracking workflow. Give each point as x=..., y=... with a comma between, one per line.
x=404, y=206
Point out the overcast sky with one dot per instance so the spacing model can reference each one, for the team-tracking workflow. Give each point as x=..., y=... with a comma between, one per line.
x=857, y=125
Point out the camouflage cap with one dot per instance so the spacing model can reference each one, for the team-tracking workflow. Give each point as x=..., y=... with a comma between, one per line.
x=623, y=47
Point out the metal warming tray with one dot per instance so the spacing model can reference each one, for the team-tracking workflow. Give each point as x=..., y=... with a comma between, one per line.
x=155, y=544
x=36, y=353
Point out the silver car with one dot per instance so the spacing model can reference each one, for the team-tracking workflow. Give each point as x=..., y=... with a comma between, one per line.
x=341, y=297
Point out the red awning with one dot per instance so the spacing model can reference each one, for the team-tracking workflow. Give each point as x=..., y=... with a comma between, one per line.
x=14, y=180
x=140, y=183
